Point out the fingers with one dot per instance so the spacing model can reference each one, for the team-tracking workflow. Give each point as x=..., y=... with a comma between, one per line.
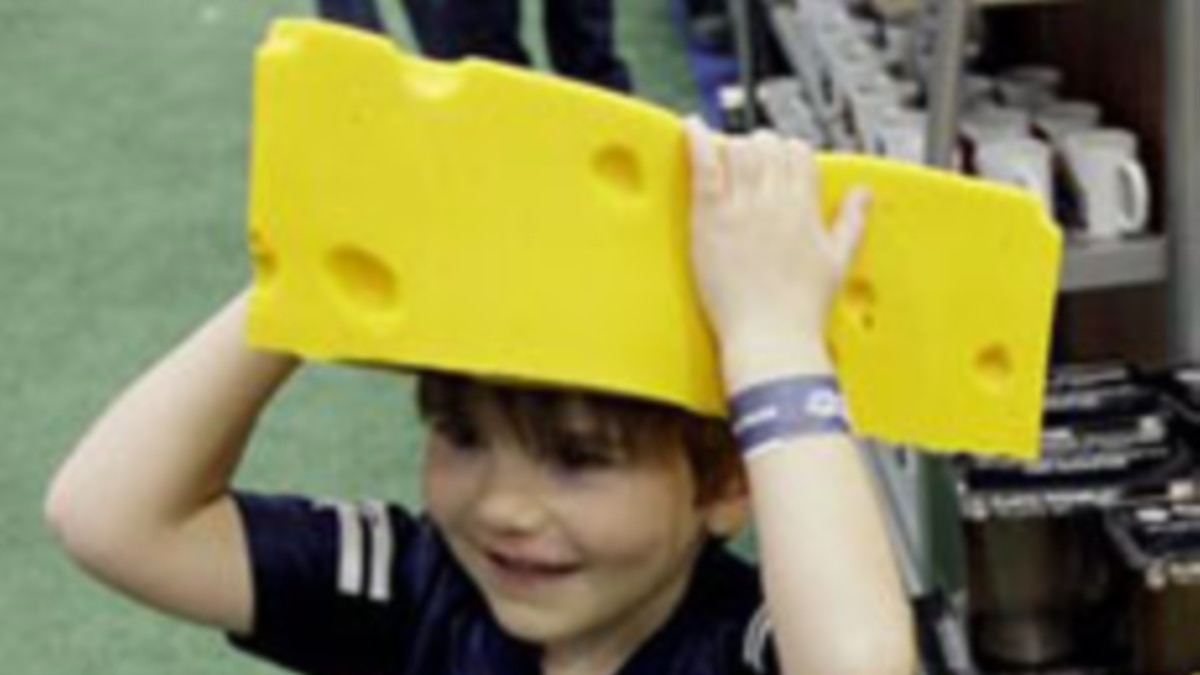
x=708, y=167
x=723, y=166
x=801, y=163
x=849, y=226
x=802, y=175
x=750, y=161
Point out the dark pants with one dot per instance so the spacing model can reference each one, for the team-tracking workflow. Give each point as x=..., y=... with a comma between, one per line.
x=579, y=33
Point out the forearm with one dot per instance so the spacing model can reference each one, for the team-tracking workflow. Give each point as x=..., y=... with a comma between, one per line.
x=169, y=445
x=835, y=597
x=767, y=268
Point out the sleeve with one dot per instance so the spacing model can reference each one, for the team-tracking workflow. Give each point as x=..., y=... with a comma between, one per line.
x=335, y=584
x=758, y=645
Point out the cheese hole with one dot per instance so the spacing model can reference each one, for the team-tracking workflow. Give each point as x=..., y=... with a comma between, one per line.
x=619, y=167
x=264, y=260
x=363, y=279
x=861, y=302
x=995, y=367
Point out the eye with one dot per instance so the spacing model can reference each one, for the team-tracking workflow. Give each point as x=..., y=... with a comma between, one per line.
x=462, y=434
x=582, y=453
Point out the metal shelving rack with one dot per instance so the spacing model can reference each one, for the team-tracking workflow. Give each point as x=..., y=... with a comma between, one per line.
x=1087, y=266
x=912, y=485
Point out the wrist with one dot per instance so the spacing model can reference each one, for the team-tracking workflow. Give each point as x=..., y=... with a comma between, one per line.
x=766, y=416
x=754, y=359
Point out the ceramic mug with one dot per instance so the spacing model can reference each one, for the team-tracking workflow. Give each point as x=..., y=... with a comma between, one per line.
x=1021, y=162
x=1110, y=180
x=992, y=122
x=1029, y=87
x=901, y=135
x=871, y=111
x=1062, y=118
x=978, y=91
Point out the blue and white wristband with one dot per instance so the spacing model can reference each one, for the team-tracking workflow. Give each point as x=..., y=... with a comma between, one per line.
x=793, y=407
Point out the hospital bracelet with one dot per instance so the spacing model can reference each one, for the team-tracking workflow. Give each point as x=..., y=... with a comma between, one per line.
x=766, y=414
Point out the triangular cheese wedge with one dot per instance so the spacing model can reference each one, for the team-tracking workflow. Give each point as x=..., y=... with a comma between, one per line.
x=484, y=219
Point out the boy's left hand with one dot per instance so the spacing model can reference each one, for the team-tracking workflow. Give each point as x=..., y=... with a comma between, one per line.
x=766, y=266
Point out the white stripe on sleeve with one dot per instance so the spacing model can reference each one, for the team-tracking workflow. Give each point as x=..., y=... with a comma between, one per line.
x=382, y=550
x=755, y=645
x=350, y=559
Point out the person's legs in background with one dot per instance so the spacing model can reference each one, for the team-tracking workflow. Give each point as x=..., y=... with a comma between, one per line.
x=581, y=38
x=362, y=14
x=451, y=29
x=709, y=25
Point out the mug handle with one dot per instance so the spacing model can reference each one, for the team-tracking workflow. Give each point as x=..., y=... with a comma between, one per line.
x=1136, y=191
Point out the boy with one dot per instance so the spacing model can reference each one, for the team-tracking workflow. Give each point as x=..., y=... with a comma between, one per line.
x=565, y=533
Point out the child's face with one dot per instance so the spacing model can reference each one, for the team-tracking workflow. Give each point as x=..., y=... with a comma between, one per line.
x=571, y=545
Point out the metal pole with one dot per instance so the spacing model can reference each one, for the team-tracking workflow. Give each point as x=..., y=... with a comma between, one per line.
x=743, y=38
x=944, y=79
x=1182, y=28
x=938, y=512
x=905, y=541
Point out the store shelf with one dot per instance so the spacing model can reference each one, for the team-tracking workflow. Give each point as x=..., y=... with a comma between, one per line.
x=1019, y=3
x=1093, y=266
x=1087, y=266
x=902, y=7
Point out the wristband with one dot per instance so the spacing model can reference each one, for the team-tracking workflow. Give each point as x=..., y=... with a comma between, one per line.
x=792, y=407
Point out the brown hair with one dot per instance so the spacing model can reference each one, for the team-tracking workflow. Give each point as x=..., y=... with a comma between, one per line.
x=643, y=429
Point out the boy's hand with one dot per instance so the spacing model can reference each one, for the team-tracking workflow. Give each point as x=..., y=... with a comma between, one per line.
x=766, y=266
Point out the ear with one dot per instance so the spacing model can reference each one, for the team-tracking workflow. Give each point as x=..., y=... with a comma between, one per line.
x=727, y=512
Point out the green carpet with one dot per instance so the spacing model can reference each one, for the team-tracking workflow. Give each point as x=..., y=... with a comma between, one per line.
x=123, y=148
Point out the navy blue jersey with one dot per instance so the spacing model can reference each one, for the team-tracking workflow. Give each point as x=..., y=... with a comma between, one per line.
x=367, y=589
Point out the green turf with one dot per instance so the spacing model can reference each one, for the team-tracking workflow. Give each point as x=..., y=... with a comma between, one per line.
x=123, y=130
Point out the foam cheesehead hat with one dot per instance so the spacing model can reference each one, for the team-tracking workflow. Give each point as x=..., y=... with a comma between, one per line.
x=493, y=221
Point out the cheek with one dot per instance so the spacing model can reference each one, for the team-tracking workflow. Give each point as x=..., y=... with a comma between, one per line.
x=446, y=484
x=635, y=517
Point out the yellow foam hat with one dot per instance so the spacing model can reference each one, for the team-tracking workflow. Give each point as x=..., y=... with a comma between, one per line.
x=490, y=220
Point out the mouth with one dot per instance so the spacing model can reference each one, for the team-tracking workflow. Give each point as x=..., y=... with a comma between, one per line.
x=520, y=572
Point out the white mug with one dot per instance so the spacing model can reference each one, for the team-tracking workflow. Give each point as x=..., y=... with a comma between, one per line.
x=901, y=135
x=908, y=90
x=993, y=122
x=897, y=44
x=1111, y=182
x=1024, y=94
x=1062, y=118
x=863, y=77
x=1047, y=77
x=1021, y=162
x=867, y=29
x=851, y=48
x=978, y=91
x=798, y=121
x=871, y=111
x=829, y=101
x=1029, y=87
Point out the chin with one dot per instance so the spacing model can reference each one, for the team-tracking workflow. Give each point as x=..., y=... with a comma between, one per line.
x=532, y=624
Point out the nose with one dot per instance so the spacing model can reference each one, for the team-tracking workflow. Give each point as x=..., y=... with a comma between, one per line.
x=510, y=500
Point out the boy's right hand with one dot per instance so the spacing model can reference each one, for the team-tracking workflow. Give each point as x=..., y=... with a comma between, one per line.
x=767, y=267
